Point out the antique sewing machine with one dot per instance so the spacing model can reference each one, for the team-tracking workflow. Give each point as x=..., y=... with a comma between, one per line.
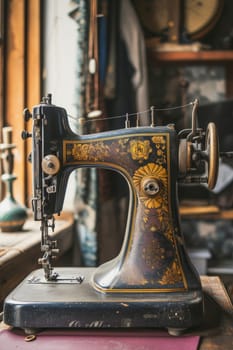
x=151, y=283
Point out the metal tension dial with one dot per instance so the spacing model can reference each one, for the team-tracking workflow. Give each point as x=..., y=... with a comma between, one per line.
x=212, y=154
x=50, y=164
x=198, y=148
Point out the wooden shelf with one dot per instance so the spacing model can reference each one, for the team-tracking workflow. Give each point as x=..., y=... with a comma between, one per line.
x=190, y=56
x=205, y=212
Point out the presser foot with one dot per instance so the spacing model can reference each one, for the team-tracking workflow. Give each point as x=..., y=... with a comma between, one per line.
x=70, y=301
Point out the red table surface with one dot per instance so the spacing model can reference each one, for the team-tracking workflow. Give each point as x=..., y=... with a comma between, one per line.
x=104, y=340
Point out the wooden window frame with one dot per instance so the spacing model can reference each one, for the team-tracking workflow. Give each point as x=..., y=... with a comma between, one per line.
x=22, y=81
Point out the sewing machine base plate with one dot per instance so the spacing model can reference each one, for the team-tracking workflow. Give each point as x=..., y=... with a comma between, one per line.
x=72, y=302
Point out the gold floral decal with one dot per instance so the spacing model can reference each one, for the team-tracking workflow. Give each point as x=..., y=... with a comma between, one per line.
x=172, y=275
x=169, y=233
x=159, y=173
x=153, y=255
x=92, y=152
x=159, y=139
x=139, y=149
x=160, y=144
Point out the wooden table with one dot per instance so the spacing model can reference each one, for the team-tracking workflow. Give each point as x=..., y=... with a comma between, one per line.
x=19, y=251
x=218, y=332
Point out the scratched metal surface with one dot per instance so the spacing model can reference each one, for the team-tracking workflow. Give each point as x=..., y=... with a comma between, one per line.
x=74, y=305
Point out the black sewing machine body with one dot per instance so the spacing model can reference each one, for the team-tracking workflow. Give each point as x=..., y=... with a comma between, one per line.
x=151, y=283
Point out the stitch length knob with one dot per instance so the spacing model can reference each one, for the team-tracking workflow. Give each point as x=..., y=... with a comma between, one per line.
x=25, y=135
x=27, y=114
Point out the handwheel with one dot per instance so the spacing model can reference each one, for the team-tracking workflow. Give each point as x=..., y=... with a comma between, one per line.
x=212, y=152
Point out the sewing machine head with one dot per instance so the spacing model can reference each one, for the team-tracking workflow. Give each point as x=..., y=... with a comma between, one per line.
x=152, y=159
x=152, y=261
x=57, y=151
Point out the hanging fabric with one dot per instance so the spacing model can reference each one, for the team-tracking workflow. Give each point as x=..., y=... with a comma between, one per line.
x=86, y=188
x=111, y=81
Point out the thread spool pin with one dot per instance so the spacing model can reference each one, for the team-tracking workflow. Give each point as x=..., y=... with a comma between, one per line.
x=127, y=122
x=152, y=109
x=138, y=120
